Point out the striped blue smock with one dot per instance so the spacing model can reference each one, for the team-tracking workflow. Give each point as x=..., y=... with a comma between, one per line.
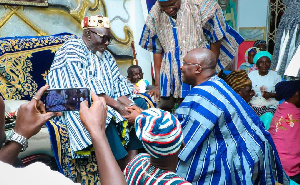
x=75, y=65
x=198, y=24
x=225, y=141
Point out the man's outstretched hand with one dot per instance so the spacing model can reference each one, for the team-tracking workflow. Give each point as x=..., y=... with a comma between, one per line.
x=155, y=92
x=134, y=112
x=94, y=118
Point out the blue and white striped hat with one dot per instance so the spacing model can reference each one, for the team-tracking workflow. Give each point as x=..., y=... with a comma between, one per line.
x=159, y=131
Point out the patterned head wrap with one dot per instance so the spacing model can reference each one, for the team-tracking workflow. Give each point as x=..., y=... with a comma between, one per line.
x=238, y=79
x=254, y=49
x=96, y=21
x=286, y=89
x=159, y=131
x=258, y=42
x=261, y=54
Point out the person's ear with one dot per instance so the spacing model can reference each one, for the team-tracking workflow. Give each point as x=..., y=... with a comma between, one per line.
x=198, y=70
x=182, y=145
x=88, y=35
x=239, y=92
x=297, y=94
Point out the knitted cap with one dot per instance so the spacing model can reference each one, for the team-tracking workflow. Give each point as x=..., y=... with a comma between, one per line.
x=261, y=54
x=286, y=89
x=96, y=21
x=238, y=80
x=159, y=131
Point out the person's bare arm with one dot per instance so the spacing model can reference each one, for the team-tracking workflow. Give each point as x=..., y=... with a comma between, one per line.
x=30, y=119
x=94, y=119
x=215, y=48
x=268, y=95
x=157, y=57
x=118, y=106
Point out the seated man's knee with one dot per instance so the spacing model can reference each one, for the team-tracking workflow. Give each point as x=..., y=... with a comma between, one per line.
x=141, y=103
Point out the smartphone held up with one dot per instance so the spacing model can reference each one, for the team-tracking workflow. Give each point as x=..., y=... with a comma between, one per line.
x=58, y=100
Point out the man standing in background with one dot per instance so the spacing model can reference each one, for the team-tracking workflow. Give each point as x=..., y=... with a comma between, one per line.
x=172, y=29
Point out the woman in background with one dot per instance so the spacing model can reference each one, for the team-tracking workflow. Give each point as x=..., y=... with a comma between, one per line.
x=285, y=128
x=263, y=83
x=261, y=45
x=239, y=81
x=248, y=65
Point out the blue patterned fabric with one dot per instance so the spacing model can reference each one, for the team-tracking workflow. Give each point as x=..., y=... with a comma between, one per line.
x=85, y=169
x=148, y=100
x=150, y=3
x=59, y=138
x=25, y=62
x=225, y=141
x=76, y=66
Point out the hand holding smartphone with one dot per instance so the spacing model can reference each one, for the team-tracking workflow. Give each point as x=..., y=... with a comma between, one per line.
x=69, y=99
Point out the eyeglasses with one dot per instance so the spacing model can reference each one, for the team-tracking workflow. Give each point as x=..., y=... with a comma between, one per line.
x=192, y=64
x=105, y=38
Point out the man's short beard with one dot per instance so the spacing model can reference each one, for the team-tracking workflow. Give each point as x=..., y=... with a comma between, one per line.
x=100, y=54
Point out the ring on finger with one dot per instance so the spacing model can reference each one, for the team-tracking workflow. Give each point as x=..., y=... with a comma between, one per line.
x=35, y=98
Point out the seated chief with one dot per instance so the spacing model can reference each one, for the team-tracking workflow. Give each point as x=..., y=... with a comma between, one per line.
x=86, y=63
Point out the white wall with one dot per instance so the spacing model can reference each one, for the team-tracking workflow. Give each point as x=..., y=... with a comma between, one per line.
x=137, y=23
x=253, y=13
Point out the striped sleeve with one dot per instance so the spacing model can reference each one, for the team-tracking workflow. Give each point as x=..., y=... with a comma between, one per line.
x=149, y=39
x=213, y=21
x=197, y=120
x=216, y=28
x=121, y=87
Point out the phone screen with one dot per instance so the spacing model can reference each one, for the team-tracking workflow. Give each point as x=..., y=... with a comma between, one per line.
x=58, y=100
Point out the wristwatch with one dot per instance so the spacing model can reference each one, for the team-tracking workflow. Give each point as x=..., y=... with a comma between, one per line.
x=13, y=136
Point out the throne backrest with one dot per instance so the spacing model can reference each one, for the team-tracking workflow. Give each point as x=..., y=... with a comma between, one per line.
x=25, y=62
